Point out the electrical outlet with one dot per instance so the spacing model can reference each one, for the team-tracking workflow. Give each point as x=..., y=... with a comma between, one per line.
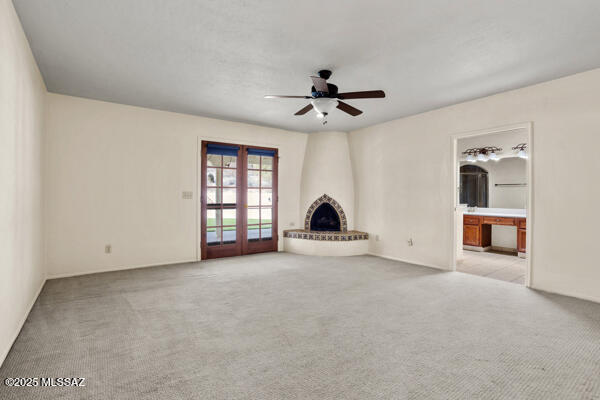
x=108, y=249
x=410, y=242
x=187, y=195
x=292, y=224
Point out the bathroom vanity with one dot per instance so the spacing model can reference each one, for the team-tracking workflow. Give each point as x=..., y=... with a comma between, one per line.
x=477, y=227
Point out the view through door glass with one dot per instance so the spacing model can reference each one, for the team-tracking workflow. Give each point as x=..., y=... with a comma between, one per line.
x=260, y=197
x=221, y=199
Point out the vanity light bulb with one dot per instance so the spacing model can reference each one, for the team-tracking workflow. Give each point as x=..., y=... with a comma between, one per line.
x=494, y=156
x=522, y=154
x=470, y=158
x=482, y=157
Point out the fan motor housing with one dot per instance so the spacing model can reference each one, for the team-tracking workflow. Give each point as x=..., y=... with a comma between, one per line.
x=325, y=74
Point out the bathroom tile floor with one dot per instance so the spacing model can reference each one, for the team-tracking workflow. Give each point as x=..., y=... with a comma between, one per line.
x=493, y=264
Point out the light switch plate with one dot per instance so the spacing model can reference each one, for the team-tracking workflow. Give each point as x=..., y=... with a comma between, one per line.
x=187, y=195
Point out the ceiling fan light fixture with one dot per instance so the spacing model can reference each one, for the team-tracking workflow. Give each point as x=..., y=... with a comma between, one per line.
x=325, y=97
x=324, y=105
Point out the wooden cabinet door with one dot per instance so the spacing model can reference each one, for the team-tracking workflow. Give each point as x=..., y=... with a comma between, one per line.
x=471, y=235
x=521, y=240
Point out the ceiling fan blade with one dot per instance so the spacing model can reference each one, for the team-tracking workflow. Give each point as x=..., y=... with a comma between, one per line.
x=275, y=96
x=320, y=84
x=348, y=109
x=305, y=110
x=368, y=94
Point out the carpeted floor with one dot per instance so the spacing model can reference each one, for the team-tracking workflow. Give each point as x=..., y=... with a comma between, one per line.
x=283, y=326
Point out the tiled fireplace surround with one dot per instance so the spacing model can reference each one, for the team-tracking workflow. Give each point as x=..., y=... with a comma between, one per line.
x=343, y=235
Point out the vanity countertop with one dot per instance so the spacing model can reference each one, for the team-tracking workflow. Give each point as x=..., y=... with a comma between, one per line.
x=499, y=212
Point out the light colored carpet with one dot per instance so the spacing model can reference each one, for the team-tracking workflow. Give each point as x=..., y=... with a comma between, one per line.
x=283, y=326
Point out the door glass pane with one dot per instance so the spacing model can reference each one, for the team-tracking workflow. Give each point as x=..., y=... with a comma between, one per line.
x=266, y=197
x=267, y=162
x=213, y=217
x=229, y=234
x=265, y=215
x=213, y=160
x=212, y=196
x=229, y=217
x=253, y=178
x=229, y=196
x=213, y=236
x=253, y=233
x=253, y=197
x=229, y=177
x=230, y=161
x=252, y=216
x=213, y=176
x=266, y=179
x=266, y=232
x=253, y=162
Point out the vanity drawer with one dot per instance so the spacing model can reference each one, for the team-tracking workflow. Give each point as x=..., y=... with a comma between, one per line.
x=498, y=221
x=471, y=219
x=522, y=223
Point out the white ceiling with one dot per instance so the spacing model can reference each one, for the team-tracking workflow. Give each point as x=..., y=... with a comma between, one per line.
x=218, y=58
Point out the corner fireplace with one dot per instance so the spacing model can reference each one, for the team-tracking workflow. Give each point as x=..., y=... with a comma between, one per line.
x=326, y=222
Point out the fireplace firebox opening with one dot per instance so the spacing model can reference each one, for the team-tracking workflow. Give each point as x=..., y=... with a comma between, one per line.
x=325, y=218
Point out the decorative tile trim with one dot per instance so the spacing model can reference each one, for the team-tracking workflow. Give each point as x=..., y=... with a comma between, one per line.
x=325, y=236
x=336, y=206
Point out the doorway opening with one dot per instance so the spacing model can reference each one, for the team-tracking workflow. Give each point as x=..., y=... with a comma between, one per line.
x=238, y=199
x=492, y=192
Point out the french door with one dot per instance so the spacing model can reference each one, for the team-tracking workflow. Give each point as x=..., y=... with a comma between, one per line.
x=239, y=199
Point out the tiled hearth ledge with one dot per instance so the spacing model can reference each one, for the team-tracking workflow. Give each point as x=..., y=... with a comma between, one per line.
x=325, y=236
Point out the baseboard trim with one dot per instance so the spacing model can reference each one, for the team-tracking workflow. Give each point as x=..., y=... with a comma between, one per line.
x=5, y=352
x=410, y=261
x=114, y=269
x=566, y=294
x=504, y=249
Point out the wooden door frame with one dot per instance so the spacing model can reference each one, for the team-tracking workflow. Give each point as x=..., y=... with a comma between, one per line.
x=241, y=246
x=224, y=250
x=528, y=126
x=261, y=247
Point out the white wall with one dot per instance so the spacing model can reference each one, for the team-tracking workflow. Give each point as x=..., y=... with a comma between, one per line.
x=115, y=175
x=22, y=92
x=407, y=189
x=327, y=170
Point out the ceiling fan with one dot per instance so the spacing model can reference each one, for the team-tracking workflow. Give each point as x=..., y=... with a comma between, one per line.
x=325, y=97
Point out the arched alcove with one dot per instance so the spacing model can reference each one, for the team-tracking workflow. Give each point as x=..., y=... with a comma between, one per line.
x=474, y=186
